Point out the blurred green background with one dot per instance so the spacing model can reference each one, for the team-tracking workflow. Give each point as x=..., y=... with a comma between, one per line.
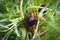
x=13, y=12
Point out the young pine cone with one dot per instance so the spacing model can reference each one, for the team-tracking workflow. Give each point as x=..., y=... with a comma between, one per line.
x=31, y=20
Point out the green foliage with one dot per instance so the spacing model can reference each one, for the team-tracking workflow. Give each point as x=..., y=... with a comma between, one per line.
x=13, y=12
